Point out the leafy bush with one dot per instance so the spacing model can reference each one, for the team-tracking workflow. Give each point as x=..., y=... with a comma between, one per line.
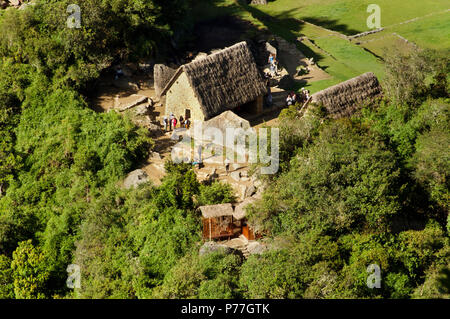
x=216, y=193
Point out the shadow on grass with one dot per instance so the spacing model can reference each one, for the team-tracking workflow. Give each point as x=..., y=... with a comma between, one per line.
x=333, y=25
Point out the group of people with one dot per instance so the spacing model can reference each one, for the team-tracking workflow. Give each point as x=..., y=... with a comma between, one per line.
x=293, y=98
x=171, y=122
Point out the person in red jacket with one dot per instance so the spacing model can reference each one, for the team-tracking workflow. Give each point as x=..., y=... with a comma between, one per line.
x=174, y=122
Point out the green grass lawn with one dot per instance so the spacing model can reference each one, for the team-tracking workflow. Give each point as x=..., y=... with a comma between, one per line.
x=348, y=16
x=339, y=57
x=431, y=32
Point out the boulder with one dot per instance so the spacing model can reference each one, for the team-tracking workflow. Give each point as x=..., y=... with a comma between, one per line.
x=242, y=190
x=134, y=100
x=135, y=178
x=227, y=119
x=240, y=210
x=154, y=129
x=141, y=109
x=251, y=190
x=237, y=166
x=212, y=247
x=155, y=156
x=256, y=248
x=258, y=2
x=236, y=176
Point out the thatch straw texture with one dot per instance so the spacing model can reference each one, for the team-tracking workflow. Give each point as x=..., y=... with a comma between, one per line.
x=162, y=75
x=224, y=80
x=213, y=211
x=344, y=99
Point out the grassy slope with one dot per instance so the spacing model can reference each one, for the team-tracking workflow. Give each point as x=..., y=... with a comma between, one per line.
x=340, y=58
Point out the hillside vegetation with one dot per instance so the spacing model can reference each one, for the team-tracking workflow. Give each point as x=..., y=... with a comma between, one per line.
x=371, y=189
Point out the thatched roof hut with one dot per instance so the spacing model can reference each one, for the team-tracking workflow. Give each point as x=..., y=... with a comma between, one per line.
x=214, y=211
x=223, y=80
x=162, y=75
x=345, y=98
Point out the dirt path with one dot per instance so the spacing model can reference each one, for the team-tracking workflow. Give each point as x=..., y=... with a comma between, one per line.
x=292, y=58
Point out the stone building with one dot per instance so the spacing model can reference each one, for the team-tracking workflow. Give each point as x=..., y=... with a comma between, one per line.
x=225, y=80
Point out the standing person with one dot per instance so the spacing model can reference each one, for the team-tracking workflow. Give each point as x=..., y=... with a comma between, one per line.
x=272, y=65
x=269, y=100
x=302, y=95
x=174, y=122
x=275, y=66
x=119, y=73
x=165, y=122
x=181, y=120
x=187, y=123
x=294, y=97
x=171, y=117
x=289, y=100
x=271, y=59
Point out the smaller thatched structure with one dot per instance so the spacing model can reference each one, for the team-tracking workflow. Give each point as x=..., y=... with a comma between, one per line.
x=218, y=221
x=219, y=210
x=162, y=75
x=222, y=221
x=344, y=99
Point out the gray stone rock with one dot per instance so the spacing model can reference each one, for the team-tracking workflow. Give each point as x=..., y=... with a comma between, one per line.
x=258, y=2
x=155, y=156
x=237, y=166
x=137, y=100
x=154, y=129
x=251, y=190
x=256, y=248
x=141, y=109
x=175, y=136
x=135, y=178
x=236, y=176
x=212, y=247
x=242, y=191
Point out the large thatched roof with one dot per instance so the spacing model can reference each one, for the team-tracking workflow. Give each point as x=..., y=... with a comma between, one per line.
x=343, y=99
x=223, y=80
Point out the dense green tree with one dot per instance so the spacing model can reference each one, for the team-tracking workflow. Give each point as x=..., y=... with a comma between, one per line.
x=29, y=272
x=6, y=278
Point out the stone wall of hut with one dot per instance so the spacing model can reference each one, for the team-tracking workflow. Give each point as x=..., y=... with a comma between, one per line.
x=181, y=97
